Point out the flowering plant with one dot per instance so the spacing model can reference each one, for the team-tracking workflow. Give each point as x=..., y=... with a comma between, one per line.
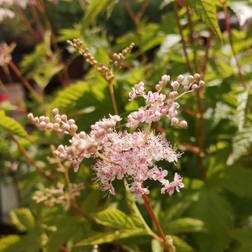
x=101, y=150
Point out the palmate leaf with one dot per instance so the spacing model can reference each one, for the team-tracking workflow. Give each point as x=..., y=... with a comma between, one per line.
x=115, y=218
x=206, y=9
x=11, y=125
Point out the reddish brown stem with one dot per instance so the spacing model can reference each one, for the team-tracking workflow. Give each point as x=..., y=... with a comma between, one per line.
x=26, y=22
x=136, y=17
x=37, y=20
x=26, y=83
x=200, y=112
x=168, y=246
x=230, y=39
x=175, y=7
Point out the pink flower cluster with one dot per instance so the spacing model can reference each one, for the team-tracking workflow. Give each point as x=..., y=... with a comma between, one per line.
x=132, y=156
x=164, y=104
x=129, y=156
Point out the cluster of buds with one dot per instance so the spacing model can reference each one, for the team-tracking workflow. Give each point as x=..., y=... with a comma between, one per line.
x=106, y=72
x=164, y=104
x=5, y=53
x=82, y=145
x=118, y=58
x=61, y=123
x=78, y=45
x=58, y=195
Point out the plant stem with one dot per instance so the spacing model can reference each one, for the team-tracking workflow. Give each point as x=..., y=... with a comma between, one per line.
x=30, y=161
x=191, y=35
x=175, y=7
x=112, y=95
x=26, y=22
x=37, y=20
x=18, y=73
x=167, y=244
x=200, y=112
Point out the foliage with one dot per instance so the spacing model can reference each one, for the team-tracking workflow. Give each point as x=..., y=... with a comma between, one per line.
x=213, y=211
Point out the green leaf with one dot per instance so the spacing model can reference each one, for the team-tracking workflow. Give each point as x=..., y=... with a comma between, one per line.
x=69, y=96
x=67, y=228
x=239, y=181
x=181, y=245
x=23, y=219
x=216, y=213
x=244, y=237
x=206, y=9
x=27, y=243
x=11, y=125
x=106, y=237
x=115, y=218
x=7, y=242
x=156, y=246
x=94, y=8
x=42, y=64
x=184, y=225
x=241, y=144
x=242, y=100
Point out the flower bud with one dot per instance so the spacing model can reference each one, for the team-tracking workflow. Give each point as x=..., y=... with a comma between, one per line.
x=183, y=124
x=180, y=78
x=201, y=83
x=174, y=121
x=195, y=87
x=55, y=111
x=190, y=78
x=196, y=76
x=175, y=85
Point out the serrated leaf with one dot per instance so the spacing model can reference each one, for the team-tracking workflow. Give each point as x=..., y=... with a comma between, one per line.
x=206, y=9
x=69, y=96
x=184, y=225
x=238, y=181
x=115, y=218
x=241, y=144
x=242, y=100
x=11, y=125
x=23, y=219
x=106, y=237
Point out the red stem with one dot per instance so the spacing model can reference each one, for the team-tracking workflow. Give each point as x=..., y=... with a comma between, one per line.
x=168, y=246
